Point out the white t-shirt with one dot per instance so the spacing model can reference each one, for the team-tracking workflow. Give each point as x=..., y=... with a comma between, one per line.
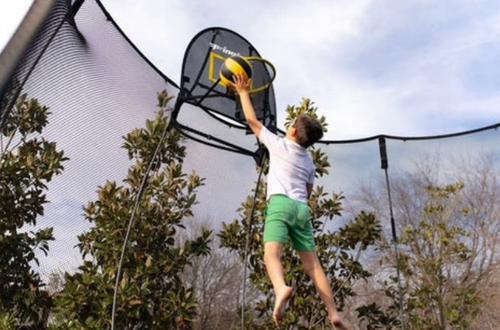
x=291, y=166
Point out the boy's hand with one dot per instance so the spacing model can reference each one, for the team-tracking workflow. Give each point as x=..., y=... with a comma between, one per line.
x=240, y=83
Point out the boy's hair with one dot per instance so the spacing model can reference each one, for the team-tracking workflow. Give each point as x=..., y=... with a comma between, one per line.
x=309, y=130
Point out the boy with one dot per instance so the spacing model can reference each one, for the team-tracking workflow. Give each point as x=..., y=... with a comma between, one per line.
x=290, y=183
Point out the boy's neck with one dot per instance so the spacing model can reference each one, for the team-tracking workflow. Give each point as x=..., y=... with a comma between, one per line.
x=290, y=136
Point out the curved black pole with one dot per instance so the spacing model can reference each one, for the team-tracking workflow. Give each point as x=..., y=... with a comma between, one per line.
x=247, y=243
x=385, y=166
x=131, y=221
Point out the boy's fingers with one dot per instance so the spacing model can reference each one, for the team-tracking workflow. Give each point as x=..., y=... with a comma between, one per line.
x=240, y=81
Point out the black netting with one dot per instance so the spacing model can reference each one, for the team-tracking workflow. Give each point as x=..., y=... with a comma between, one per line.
x=99, y=87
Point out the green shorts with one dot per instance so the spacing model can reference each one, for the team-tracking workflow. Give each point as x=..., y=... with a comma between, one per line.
x=287, y=217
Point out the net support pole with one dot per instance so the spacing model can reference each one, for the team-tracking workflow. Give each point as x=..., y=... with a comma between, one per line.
x=385, y=166
x=247, y=242
x=13, y=53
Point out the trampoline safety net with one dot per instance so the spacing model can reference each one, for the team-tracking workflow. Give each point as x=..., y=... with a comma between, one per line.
x=407, y=228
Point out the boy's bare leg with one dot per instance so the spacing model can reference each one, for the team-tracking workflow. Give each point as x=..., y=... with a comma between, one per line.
x=315, y=271
x=282, y=292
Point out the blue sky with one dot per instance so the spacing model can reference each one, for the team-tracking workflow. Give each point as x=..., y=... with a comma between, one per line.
x=414, y=67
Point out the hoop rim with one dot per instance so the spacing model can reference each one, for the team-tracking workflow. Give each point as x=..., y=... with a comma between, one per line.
x=273, y=76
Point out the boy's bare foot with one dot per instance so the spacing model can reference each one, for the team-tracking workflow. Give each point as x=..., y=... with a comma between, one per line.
x=282, y=298
x=337, y=323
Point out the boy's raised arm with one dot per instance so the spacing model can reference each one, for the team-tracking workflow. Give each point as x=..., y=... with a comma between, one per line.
x=241, y=85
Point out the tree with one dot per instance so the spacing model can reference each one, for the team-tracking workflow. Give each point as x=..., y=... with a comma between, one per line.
x=152, y=293
x=217, y=281
x=488, y=316
x=28, y=162
x=448, y=247
x=433, y=263
x=338, y=251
